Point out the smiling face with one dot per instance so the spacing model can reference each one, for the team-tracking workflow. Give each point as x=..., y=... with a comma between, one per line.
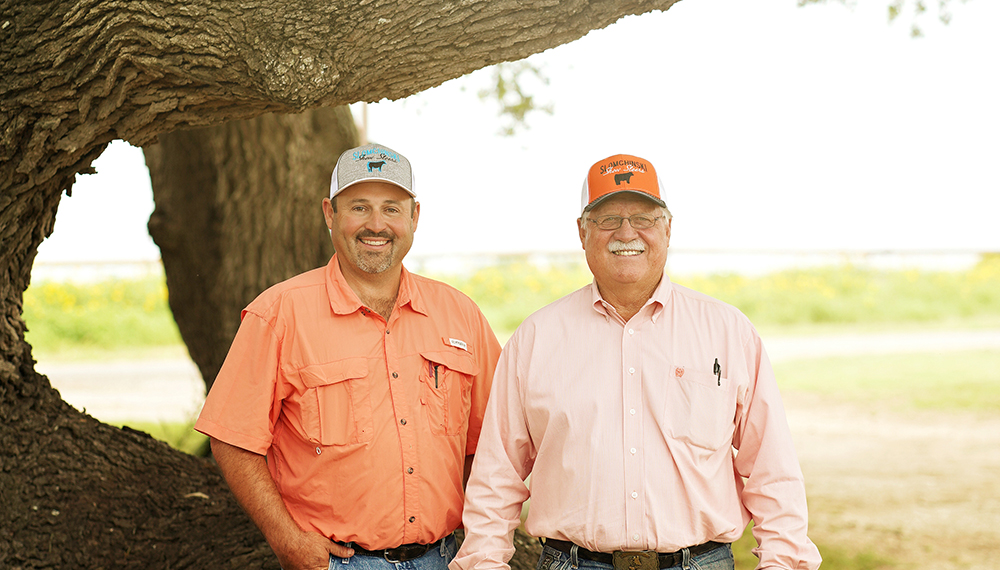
x=372, y=228
x=625, y=259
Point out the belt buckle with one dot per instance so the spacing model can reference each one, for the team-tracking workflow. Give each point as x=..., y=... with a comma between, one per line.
x=398, y=555
x=635, y=560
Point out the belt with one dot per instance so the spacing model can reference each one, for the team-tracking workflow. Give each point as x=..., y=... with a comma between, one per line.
x=400, y=553
x=666, y=560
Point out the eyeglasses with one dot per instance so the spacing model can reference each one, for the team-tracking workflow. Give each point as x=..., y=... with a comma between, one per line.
x=637, y=221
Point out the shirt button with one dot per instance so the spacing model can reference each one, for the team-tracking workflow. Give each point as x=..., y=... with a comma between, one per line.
x=403, y=421
x=632, y=451
x=318, y=451
x=635, y=537
x=632, y=411
x=415, y=518
x=631, y=370
x=410, y=470
x=630, y=331
x=386, y=331
x=394, y=375
x=635, y=495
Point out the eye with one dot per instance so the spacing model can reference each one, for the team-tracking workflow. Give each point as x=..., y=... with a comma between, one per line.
x=609, y=222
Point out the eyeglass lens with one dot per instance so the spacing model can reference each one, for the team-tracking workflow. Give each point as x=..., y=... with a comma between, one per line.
x=637, y=221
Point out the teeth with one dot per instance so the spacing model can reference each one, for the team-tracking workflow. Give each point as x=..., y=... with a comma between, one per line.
x=375, y=241
x=634, y=247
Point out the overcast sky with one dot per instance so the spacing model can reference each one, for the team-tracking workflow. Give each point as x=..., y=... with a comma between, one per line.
x=773, y=127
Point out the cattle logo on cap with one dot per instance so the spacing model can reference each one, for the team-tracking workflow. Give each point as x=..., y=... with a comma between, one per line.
x=623, y=177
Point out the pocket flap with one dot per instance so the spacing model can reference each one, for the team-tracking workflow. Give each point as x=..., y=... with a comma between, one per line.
x=316, y=375
x=454, y=359
x=693, y=376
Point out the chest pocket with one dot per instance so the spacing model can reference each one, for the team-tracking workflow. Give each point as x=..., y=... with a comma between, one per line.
x=336, y=408
x=700, y=408
x=446, y=390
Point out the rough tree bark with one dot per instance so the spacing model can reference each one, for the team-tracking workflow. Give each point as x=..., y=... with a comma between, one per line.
x=238, y=210
x=76, y=74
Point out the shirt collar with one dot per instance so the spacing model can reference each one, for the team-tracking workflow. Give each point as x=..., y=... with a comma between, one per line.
x=659, y=298
x=409, y=293
x=344, y=301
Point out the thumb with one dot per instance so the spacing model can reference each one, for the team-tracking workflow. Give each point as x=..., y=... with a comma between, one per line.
x=339, y=550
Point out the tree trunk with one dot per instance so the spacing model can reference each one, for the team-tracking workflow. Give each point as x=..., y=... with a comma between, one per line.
x=76, y=74
x=81, y=494
x=238, y=209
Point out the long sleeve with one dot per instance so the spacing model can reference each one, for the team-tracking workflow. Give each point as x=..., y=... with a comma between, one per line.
x=773, y=489
x=496, y=490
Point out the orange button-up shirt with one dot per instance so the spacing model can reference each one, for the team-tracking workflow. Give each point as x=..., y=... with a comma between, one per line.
x=365, y=423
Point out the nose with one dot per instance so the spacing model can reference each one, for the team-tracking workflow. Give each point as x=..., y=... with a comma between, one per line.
x=626, y=232
x=376, y=222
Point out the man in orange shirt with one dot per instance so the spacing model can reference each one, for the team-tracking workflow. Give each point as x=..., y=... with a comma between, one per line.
x=349, y=407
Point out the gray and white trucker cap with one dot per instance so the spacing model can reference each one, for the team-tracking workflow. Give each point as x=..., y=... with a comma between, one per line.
x=371, y=162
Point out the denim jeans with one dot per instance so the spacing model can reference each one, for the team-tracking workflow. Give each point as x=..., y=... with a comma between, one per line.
x=435, y=559
x=719, y=559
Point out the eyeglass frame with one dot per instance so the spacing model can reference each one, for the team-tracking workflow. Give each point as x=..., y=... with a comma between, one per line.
x=621, y=220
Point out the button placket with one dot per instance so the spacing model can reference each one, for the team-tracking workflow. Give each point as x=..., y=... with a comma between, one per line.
x=632, y=398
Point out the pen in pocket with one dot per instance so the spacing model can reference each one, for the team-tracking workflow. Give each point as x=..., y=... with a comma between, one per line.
x=435, y=376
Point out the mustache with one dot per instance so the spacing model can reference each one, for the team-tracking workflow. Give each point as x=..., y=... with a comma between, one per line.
x=618, y=245
x=371, y=234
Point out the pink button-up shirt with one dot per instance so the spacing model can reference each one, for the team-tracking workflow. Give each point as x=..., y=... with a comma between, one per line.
x=632, y=437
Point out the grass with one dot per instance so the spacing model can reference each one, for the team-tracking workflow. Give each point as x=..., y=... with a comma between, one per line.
x=853, y=295
x=827, y=296
x=507, y=294
x=109, y=315
x=834, y=557
x=133, y=313
x=179, y=435
x=966, y=381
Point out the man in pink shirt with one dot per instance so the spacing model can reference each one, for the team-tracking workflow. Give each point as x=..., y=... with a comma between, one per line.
x=348, y=409
x=646, y=414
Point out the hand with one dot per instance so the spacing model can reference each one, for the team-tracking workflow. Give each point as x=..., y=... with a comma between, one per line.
x=309, y=551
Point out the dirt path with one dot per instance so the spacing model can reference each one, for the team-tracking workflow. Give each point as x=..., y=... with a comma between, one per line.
x=920, y=488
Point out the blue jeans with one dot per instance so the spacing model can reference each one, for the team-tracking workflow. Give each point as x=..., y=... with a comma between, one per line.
x=435, y=559
x=719, y=559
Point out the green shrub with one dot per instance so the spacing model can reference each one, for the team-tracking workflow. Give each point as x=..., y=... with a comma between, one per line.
x=842, y=294
x=116, y=313
x=133, y=313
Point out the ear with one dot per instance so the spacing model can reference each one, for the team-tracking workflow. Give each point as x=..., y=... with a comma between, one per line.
x=669, y=222
x=581, y=226
x=416, y=214
x=328, y=213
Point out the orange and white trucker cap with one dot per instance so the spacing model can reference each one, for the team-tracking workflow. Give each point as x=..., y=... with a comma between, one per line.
x=371, y=162
x=620, y=173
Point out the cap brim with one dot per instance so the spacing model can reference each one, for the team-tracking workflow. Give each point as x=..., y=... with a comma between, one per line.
x=376, y=179
x=652, y=199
